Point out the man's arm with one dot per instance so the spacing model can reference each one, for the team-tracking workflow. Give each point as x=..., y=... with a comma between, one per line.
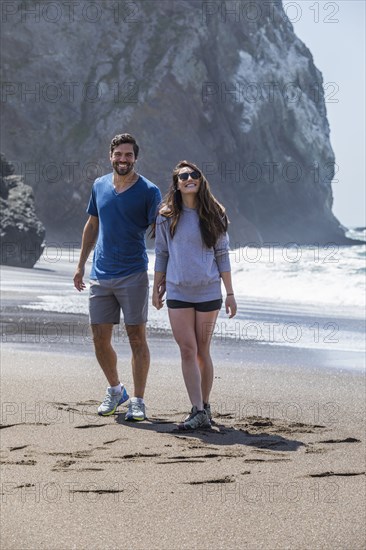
x=89, y=238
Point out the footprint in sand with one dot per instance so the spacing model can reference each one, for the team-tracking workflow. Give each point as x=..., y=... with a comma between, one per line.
x=19, y=462
x=62, y=465
x=3, y=426
x=74, y=454
x=86, y=426
x=226, y=479
x=330, y=474
x=347, y=440
x=18, y=448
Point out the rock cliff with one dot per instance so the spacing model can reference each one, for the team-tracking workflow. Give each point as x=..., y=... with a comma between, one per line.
x=227, y=85
x=21, y=232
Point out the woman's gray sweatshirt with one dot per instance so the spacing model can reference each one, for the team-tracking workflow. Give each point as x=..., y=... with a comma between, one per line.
x=192, y=270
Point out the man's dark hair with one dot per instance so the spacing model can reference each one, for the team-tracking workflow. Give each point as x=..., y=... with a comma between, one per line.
x=124, y=138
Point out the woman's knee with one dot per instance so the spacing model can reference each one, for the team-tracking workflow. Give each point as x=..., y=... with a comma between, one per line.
x=203, y=356
x=188, y=350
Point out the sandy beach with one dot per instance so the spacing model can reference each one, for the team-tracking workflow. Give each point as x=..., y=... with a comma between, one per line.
x=282, y=467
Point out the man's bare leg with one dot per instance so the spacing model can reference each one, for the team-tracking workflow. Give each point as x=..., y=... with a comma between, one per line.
x=106, y=356
x=140, y=357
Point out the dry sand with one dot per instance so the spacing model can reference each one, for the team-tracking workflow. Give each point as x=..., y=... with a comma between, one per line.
x=283, y=466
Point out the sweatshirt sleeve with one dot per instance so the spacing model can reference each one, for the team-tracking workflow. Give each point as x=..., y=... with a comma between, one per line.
x=161, y=244
x=222, y=252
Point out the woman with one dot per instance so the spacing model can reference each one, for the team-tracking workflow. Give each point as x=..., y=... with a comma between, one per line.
x=192, y=256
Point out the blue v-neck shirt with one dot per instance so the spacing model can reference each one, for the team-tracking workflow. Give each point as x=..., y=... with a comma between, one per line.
x=123, y=220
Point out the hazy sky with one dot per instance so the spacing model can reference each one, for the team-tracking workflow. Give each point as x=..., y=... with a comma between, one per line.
x=338, y=48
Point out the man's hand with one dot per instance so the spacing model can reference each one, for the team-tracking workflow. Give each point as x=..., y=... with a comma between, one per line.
x=78, y=279
x=158, y=289
x=90, y=235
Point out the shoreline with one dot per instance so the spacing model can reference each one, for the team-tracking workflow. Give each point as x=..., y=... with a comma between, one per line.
x=31, y=329
x=36, y=306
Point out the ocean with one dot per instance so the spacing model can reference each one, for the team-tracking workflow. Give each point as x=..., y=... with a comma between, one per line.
x=312, y=297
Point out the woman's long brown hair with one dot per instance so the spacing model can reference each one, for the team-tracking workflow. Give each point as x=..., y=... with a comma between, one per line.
x=212, y=217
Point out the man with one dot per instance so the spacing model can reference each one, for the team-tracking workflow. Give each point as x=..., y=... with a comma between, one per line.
x=122, y=206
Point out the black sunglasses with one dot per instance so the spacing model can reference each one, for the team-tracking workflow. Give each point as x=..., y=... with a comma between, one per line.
x=194, y=175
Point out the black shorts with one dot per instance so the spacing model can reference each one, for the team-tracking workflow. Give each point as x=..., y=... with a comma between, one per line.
x=212, y=305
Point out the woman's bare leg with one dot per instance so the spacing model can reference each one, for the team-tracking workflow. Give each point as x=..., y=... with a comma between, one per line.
x=183, y=326
x=205, y=324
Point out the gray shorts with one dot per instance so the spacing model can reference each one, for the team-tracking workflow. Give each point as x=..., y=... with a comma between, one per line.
x=108, y=296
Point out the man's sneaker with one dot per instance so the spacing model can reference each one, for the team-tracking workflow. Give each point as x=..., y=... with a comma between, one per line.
x=112, y=401
x=136, y=410
x=207, y=408
x=197, y=419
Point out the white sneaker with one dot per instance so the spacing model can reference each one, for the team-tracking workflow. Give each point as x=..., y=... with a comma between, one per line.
x=136, y=410
x=111, y=401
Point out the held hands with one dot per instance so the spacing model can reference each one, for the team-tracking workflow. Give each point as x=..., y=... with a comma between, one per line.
x=158, y=293
x=230, y=306
x=78, y=279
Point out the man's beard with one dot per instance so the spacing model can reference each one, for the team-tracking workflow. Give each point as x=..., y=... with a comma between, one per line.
x=123, y=170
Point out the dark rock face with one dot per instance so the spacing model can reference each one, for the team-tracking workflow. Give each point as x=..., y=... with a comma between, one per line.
x=238, y=94
x=21, y=232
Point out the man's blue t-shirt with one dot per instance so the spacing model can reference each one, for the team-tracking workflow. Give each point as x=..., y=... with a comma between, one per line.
x=123, y=220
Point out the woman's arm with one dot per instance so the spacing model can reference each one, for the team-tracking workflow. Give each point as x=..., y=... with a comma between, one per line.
x=230, y=302
x=222, y=257
x=161, y=261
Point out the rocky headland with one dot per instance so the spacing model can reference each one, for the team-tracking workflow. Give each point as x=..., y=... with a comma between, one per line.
x=236, y=92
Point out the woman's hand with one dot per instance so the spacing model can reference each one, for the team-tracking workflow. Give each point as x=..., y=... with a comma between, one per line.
x=158, y=292
x=230, y=306
x=157, y=299
x=162, y=288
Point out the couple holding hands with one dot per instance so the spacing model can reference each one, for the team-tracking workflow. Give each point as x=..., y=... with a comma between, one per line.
x=191, y=259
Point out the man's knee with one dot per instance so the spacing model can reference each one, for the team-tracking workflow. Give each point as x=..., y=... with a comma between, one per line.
x=136, y=334
x=102, y=336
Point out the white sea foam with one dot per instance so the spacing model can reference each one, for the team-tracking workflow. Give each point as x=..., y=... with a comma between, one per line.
x=315, y=276
x=293, y=296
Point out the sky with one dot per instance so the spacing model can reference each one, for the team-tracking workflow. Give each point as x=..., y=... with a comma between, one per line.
x=335, y=34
